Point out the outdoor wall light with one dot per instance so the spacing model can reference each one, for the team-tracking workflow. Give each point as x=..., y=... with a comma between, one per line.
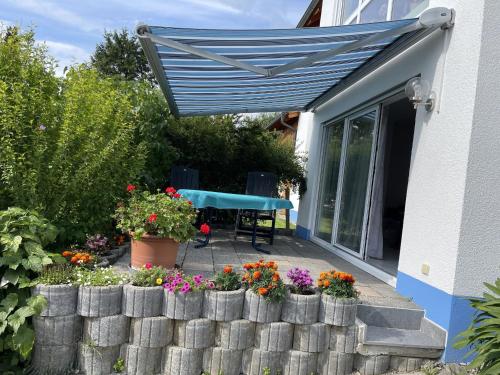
x=418, y=90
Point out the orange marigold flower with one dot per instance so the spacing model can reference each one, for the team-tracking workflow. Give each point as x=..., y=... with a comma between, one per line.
x=67, y=253
x=247, y=266
x=228, y=269
x=257, y=275
x=320, y=283
x=276, y=276
x=326, y=283
x=263, y=291
x=74, y=260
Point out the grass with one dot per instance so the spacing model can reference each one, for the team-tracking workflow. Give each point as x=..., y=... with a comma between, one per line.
x=280, y=223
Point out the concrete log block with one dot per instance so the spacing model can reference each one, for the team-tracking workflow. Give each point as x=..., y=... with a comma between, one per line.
x=312, y=338
x=334, y=363
x=405, y=364
x=235, y=335
x=182, y=306
x=223, y=306
x=255, y=361
x=140, y=360
x=181, y=361
x=343, y=339
x=106, y=331
x=257, y=309
x=274, y=337
x=57, y=330
x=54, y=359
x=154, y=332
x=301, y=309
x=94, y=301
x=194, y=334
x=95, y=360
x=299, y=363
x=372, y=364
x=61, y=299
x=337, y=311
x=222, y=361
x=142, y=302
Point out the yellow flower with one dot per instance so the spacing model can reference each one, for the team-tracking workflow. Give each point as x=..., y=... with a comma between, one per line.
x=159, y=281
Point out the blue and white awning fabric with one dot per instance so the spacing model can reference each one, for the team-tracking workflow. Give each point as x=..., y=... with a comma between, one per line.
x=204, y=72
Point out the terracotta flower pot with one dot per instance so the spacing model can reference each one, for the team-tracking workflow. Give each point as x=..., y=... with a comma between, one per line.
x=159, y=251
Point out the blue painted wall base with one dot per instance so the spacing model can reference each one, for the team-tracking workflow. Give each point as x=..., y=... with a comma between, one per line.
x=302, y=232
x=453, y=313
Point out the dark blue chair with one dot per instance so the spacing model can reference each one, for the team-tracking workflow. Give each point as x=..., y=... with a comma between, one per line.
x=263, y=184
x=182, y=177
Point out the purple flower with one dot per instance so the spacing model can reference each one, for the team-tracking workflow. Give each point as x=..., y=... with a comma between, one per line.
x=42, y=127
x=198, y=279
x=186, y=288
x=300, y=278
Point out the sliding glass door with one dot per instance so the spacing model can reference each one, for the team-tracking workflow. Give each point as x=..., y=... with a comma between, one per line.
x=345, y=182
x=329, y=180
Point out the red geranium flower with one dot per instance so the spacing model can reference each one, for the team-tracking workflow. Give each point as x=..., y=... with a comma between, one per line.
x=177, y=195
x=131, y=188
x=170, y=190
x=152, y=218
x=148, y=266
x=205, y=229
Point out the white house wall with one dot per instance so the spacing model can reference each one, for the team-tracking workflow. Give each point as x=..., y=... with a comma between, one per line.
x=453, y=202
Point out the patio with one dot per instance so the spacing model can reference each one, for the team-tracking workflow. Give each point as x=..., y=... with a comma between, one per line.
x=288, y=252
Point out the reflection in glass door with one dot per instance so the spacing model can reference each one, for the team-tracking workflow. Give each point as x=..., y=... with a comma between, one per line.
x=329, y=181
x=356, y=174
x=345, y=175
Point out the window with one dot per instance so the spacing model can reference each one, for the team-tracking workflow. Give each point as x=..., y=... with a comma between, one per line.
x=375, y=11
x=407, y=8
x=350, y=6
x=381, y=10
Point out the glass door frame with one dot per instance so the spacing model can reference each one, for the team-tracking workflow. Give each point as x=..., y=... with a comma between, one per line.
x=347, y=128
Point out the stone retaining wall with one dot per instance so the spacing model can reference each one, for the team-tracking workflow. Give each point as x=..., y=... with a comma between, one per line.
x=159, y=333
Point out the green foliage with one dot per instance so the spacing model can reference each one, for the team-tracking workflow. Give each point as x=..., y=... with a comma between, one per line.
x=69, y=146
x=483, y=335
x=56, y=274
x=150, y=276
x=430, y=368
x=23, y=235
x=227, y=280
x=120, y=54
x=247, y=147
x=119, y=365
x=157, y=214
x=99, y=277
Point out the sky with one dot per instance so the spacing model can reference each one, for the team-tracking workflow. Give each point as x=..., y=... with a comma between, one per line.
x=71, y=29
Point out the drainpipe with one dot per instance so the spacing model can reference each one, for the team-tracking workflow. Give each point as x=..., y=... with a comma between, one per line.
x=287, y=189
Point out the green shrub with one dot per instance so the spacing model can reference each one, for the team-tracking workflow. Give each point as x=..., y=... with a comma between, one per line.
x=483, y=335
x=23, y=235
x=99, y=277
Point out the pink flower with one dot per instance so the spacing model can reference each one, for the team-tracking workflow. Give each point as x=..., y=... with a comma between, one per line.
x=148, y=266
x=198, y=279
x=186, y=287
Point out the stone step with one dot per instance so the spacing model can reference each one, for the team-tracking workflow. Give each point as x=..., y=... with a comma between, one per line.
x=398, y=332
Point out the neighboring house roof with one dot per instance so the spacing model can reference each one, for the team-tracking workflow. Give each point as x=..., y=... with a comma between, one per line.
x=291, y=120
x=312, y=15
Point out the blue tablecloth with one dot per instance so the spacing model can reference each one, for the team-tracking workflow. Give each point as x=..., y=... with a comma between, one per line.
x=203, y=199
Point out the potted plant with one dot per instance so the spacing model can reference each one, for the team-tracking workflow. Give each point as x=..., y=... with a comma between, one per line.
x=339, y=299
x=144, y=296
x=56, y=283
x=225, y=301
x=265, y=294
x=302, y=301
x=156, y=223
x=100, y=291
x=183, y=296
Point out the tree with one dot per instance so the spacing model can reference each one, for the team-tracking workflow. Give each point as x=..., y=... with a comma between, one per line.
x=120, y=54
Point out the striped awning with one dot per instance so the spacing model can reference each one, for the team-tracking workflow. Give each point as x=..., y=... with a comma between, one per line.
x=203, y=72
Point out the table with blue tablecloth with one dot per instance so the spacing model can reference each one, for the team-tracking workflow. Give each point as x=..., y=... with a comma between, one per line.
x=226, y=201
